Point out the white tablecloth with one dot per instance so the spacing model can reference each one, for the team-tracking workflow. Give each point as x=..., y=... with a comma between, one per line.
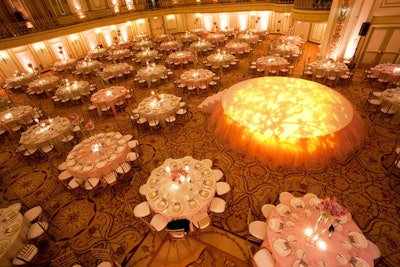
x=47, y=131
x=329, y=67
x=286, y=50
x=119, y=54
x=18, y=115
x=199, y=32
x=44, y=83
x=97, y=53
x=215, y=37
x=177, y=200
x=70, y=90
x=236, y=47
x=150, y=72
x=293, y=39
x=65, y=64
x=170, y=45
x=116, y=69
x=88, y=66
x=392, y=97
x=220, y=59
x=196, y=77
x=13, y=230
x=20, y=79
x=188, y=37
x=200, y=46
x=164, y=37
x=181, y=56
x=392, y=71
x=159, y=107
x=248, y=38
x=143, y=43
x=271, y=62
x=97, y=155
x=147, y=55
x=286, y=237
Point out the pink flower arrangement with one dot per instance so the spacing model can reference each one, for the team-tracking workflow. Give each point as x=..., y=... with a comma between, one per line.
x=331, y=207
x=176, y=174
x=75, y=119
x=89, y=126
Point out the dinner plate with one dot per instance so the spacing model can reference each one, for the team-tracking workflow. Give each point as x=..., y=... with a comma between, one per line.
x=358, y=262
x=297, y=203
x=276, y=224
x=119, y=149
x=87, y=168
x=4, y=245
x=345, y=244
x=152, y=195
x=283, y=210
x=207, y=171
x=314, y=202
x=70, y=163
x=193, y=204
x=300, y=263
x=177, y=208
x=341, y=259
x=12, y=228
x=112, y=157
x=282, y=247
x=209, y=182
x=100, y=164
x=204, y=194
x=358, y=240
x=162, y=204
x=10, y=216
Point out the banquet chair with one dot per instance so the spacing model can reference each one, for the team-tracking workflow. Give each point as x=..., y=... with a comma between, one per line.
x=110, y=178
x=217, y=205
x=17, y=206
x=33, y=213
x=376, y=252
x=273, y=71
x=201, y=220
x=154, y=123
x=217, y=175
x=182, y=114
x=257, y=229
x=319, y=75
x=27, y=154
x=388, y=110
x=45, y=148
x=222, y=188
x=124, y=168
x=331, y=78
x=346, y=78
x=38, y=230
x=263, y=258
x=260, y=72
x=383, y=80
x=66, y=259
x=266, y=210
x=104, y=256
x=373, y=100
x=285, y=197
x=142, y=210
x=26, y=255
x=91, y=183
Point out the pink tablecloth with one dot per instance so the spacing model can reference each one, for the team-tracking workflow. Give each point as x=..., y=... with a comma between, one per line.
x=171, y=45
x=287, y=226
x=97, y=155
x=45, y=83
x=65, y=64
x=20, y=79
x=108, y=96
x=215, y=37
x=391, y=71
x=179, y=57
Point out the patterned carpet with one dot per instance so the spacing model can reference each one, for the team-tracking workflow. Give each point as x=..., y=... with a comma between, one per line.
x=104, y=218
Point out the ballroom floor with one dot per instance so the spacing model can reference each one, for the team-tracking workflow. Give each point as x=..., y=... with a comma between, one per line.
x=104, y=218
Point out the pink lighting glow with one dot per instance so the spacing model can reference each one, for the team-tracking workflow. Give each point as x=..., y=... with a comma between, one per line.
x=288, y=121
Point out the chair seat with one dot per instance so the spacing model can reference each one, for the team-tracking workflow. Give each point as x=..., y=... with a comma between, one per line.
x=110, y=178
x=159, y=222
x=258, y=229
x=66, y=174
x=123, y=168
x=25, y=255
x=133, y=143
x=132, y=156
x=222, y=188
x=217, y=205
x=74, y=183
x=91, y=183
x=105, y=264
x=37, y=229
x=142, y=210
x=33, y=213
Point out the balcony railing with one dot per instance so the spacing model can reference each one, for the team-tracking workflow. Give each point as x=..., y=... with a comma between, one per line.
x=12, y=29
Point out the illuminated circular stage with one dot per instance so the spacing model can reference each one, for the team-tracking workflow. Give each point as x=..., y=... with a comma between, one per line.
x=288, y=121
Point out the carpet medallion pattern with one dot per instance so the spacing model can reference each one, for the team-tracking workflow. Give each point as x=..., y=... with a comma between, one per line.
x=104, y=217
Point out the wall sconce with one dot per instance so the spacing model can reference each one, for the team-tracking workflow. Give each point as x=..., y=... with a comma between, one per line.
x=80, y=13
x=286, y=15
x=4, y=57
x=343, y=11
x=29, y=25
x=129, y=4
x=39, y=47
x=73, y=38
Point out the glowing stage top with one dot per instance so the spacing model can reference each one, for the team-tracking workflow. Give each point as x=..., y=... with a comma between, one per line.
x=288, y=120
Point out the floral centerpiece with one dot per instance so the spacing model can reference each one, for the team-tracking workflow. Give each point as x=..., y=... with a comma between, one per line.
x=178, y=174
x=78, y=120
x=331, y=208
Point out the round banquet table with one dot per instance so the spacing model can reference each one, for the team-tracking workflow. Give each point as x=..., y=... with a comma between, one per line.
x=181, y=200
x=164, y=37
x=257, y=32
x=97, y=53
x=147, y=55
x=150, y=72
x=159, y=107
x=70, y=90
x=237, y=47
x=170, y=45
x=44, y=84
x=125, y=44
x=215, y=37
x=97, y=155
x=220, y=59
x=46, y=131
x=20, y=79
x=88, y=66
x=196, y=77
x=188, y=37
x=270, y=62
x=292, y=39
x=199, y=32
x=392, y=71
x=181, y=56
x=119, y=54
x=143, y=44
x=228, y=31
x=286, y=237
x=116, y=69
x=269, y=118
x=248, y=38
x=13, y=231
x=392, y=97
x=141, y=36
x=108, y=96
x=200, y=46
x=328, y=66
x=19, y=115
x=286, y=50
x=65, y=64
